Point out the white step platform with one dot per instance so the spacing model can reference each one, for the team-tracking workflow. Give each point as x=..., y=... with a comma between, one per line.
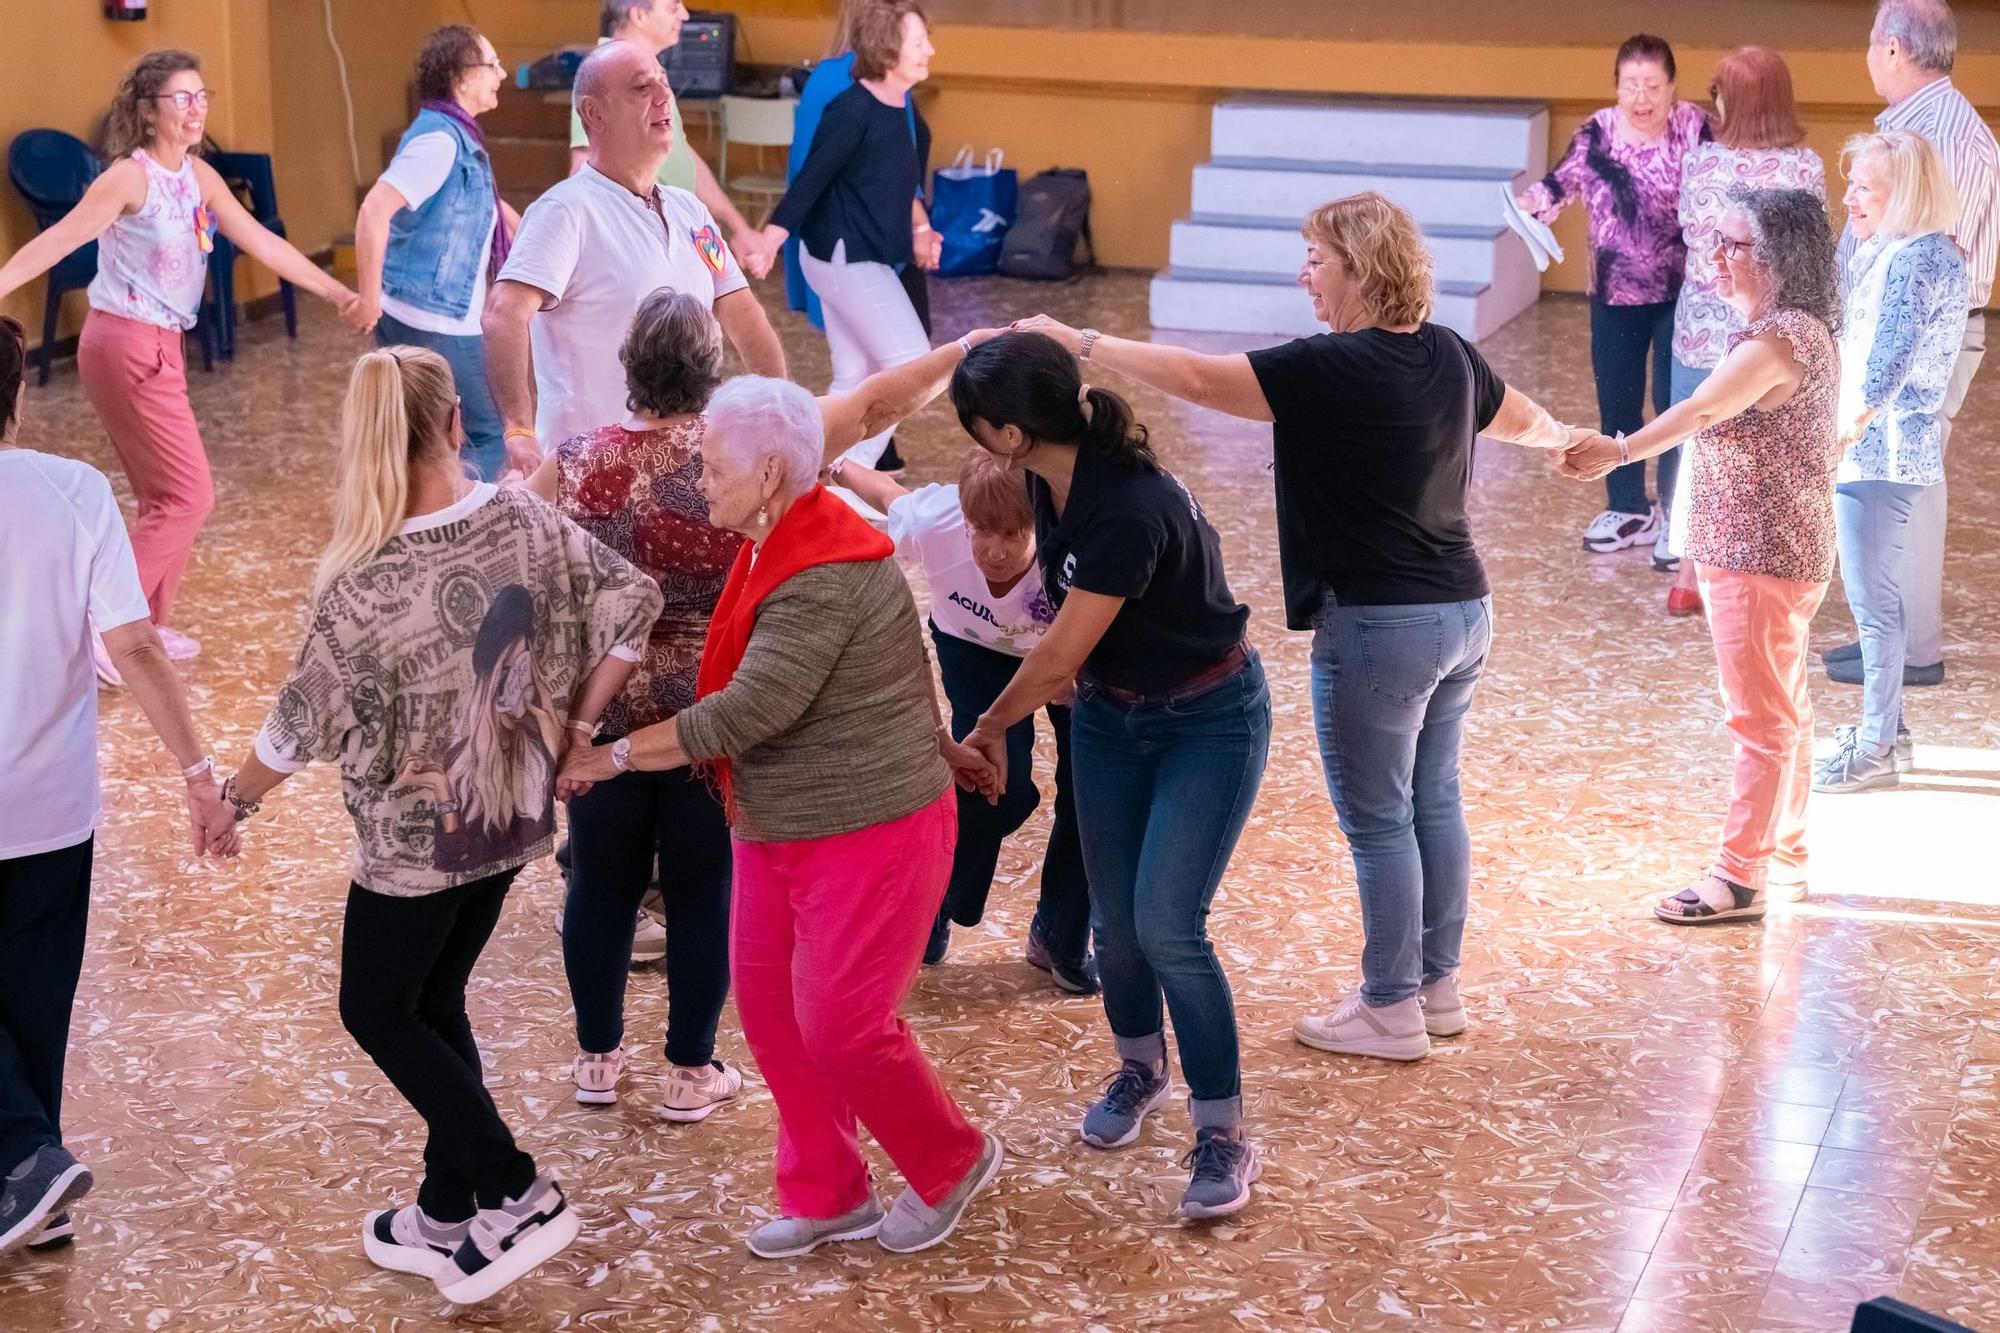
x=1234, y=264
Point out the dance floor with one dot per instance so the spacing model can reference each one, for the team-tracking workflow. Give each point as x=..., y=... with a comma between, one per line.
x=1644, y=1128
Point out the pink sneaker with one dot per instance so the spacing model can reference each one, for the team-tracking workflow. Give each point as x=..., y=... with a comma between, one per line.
x=180, y=648
x=693, y=1093
x=596, y=1076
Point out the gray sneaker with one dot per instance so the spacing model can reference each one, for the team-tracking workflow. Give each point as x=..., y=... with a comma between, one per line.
x=1133, y=1091
x=914, y=1225
x=1853, y=769
x=789, y=1237
x=1905, y=751
x=47, y=1181
x=1223, y=1165
x=1444, y=1012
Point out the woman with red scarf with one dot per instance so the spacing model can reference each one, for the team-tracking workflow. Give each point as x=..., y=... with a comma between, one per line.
x=434, y=230
x=817, y=718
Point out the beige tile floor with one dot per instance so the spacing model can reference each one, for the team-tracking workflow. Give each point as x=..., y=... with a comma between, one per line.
x=1643, y=1129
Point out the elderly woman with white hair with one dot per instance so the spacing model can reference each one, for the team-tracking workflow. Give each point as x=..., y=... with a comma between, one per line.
x=817, y=717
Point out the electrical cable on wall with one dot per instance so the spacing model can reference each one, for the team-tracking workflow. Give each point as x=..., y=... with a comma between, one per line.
x=346, y=93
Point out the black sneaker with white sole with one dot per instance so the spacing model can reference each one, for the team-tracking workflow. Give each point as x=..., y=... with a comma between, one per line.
x=55, y=1233
x=505, y=1244
x=44, y=1183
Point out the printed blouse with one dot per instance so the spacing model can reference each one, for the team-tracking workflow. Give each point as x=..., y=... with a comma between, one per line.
x=1761, y=497
x=1905, y=319
x=1703, y=321
x=1631, y=191
x=438, y=674
x=639, y=492
x=153, y=264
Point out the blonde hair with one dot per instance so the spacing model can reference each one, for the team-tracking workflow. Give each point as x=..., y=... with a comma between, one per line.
x=1378, y=241
x=1921, y=195
x=394, y=419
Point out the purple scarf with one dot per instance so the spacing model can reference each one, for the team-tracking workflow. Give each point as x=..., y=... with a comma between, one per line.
x=502, y=242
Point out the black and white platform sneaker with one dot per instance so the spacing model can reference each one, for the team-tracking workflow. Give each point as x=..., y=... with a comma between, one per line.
x=506, y=1243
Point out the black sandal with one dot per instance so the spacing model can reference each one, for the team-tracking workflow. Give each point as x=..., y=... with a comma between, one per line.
x=1690, y=908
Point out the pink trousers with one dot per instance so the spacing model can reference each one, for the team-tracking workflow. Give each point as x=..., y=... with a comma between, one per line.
x=1760, y=626
x=825, y=938
x=136, y=378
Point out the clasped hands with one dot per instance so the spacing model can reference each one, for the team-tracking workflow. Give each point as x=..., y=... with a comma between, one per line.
x=213, y=829
x=1588, y=455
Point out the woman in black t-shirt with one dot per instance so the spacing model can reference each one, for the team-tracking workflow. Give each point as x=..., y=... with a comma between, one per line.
x=1169, y=732
x=856, y=206
x=1373, y=434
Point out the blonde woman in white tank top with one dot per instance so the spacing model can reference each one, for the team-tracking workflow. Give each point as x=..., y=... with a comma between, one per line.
x=154, y=213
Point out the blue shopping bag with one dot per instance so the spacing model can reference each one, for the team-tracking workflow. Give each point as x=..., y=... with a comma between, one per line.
x=972, y=205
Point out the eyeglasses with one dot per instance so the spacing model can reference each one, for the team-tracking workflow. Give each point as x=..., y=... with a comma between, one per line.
x=1732, y=248
x=183, y=100
x=488, y=64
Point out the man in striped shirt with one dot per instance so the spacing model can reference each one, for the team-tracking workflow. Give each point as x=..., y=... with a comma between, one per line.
x=1910, y=55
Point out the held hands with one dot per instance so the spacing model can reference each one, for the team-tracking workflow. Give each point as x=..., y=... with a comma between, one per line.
x=583, y=768
x=212, y=826
x=979, y=762
x=1589, y=456
x=754, y=251
x=524, y=455
x=354, y=312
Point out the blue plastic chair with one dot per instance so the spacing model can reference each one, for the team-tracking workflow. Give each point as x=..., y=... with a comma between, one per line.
x=250, y=175
x=51, y=170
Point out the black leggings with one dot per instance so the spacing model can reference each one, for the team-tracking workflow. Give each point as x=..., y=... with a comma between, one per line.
x=615, y=829
x=403, y=968
x=1621, y=336
x=44, y=900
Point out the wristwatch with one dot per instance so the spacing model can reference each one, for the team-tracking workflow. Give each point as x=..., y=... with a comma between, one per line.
x=1090, y=337
x=621, y=753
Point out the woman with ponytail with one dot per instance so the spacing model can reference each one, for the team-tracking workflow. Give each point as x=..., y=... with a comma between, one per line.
x=461, y=637
x=1169, y=732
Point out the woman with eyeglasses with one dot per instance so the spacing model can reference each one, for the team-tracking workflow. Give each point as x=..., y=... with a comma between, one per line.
x=154, y=214
x=433, y=232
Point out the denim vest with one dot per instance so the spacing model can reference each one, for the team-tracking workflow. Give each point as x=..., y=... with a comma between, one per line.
x=437, y=250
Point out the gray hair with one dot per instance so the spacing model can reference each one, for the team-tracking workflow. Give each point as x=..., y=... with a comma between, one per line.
x=672, y=355
x=617, y=13
x=1792, y=244
x=753, y=417
x=1924, y=29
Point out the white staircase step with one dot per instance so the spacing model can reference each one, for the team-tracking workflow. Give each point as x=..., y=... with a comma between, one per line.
x=1512, y=135
x=1225, y=302
x=1274, y=246
x=1272, y=188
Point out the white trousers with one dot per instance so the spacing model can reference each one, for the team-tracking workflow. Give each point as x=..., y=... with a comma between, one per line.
x=1923, y=574
x=870, y=326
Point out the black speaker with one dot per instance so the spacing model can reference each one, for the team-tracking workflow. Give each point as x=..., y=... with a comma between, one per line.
x=1885, y=1314
x=699, y=64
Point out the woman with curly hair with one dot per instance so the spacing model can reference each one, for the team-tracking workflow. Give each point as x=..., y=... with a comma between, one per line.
x=154, y=213
x=1760, y=530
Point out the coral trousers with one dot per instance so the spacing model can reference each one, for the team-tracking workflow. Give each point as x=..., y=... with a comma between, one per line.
x=825, y=938
x=136, y=378
x=1760, y=626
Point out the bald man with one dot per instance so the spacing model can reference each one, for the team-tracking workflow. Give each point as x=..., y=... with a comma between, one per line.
x=589, y=251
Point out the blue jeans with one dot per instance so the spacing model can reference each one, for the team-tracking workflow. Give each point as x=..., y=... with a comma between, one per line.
x=1872, y=522
x=1391, y=687
x=1162, y=794
x=485, y=448
x=1624, y=340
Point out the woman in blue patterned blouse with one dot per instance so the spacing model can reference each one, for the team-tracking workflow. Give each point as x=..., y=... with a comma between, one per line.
x=1905, y=315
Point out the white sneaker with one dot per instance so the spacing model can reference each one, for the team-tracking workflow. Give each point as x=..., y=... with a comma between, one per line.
x=649, y=938
x=1664, y=558
x=1444, y=1012
x=596, y=1076
x=1392, y=1032
x=1612, y=531
x=693, y=1093
x=180, y=648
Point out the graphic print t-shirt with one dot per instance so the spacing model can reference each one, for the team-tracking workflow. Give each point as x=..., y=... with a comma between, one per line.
x=438, y=674
x=928, y=526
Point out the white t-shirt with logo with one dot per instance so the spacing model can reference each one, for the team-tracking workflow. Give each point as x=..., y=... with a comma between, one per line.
x=419, y=171
x=596, y=250
x=928, y=527
x=65, y=565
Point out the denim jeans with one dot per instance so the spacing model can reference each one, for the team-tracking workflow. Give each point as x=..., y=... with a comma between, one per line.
x=1391, y=686
x=1624, y=339
x=1162, y=792
x=1872, y=522
x=974, y=677
x=484, y=447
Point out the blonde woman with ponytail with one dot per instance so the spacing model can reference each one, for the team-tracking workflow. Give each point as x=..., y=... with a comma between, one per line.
x=460, y=637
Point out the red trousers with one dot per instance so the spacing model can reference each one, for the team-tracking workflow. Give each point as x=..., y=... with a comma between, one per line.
x=825, y=939
x=136, y=378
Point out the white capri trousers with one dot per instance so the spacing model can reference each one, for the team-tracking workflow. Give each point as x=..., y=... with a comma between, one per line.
x=870, y=326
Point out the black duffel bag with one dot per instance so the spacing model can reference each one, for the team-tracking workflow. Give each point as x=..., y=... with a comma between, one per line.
x=1054, y=215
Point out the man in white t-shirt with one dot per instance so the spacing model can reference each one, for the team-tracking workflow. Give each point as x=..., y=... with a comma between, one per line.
x=65, y=565
x=590, y=250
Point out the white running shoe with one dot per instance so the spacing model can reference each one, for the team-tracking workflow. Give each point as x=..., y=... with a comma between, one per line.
x=596, y=1076
x=1391, y=1032
x=180, y=648
x=1612, y=531
x=693, y=1093
x=649, y=938
x=1664, y=558
x=1444, y=1012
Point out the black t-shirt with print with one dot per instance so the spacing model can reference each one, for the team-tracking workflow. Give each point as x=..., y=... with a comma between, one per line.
x=1373, y=458
x=1138, y=534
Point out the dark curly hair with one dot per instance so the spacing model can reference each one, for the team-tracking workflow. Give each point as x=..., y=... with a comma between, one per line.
x=13, y=368
x=1790, y=240
x=672, y=355
x=446, y=54
x=128, y=125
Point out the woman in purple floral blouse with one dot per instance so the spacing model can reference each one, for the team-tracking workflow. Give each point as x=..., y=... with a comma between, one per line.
x=1624, y=165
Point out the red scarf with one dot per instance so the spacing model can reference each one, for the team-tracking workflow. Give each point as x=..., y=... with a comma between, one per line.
x=819, y=529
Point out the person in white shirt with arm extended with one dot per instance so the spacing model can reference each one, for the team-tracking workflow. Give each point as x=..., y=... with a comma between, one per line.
x=590, y=250
x=65, y=566
x=975, y=542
